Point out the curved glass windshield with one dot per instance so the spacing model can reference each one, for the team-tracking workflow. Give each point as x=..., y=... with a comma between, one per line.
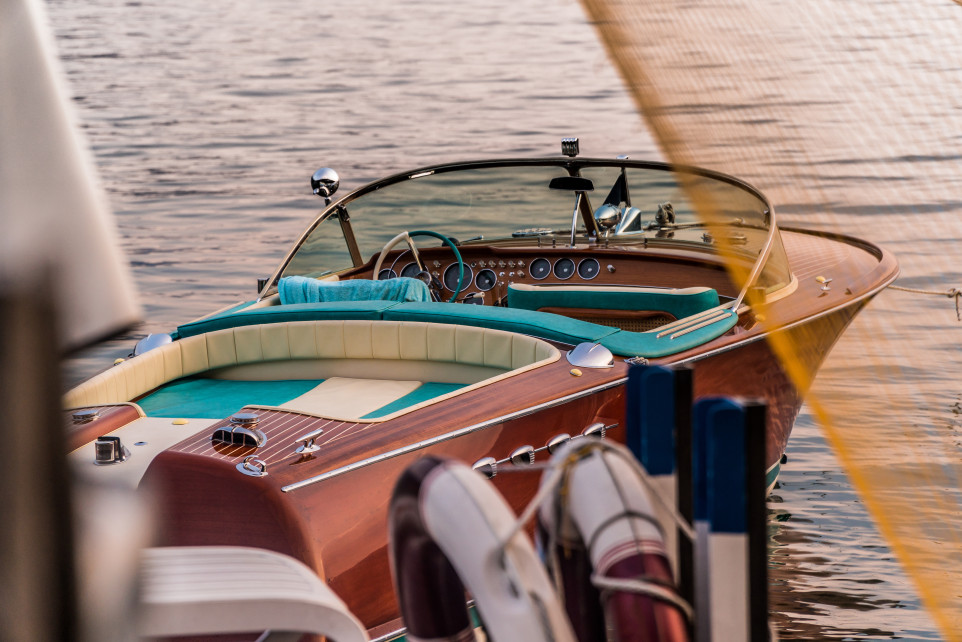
x=639, y=205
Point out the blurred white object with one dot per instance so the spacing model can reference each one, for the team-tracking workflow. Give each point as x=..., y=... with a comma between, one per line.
x=53, y=213
x=198, y=590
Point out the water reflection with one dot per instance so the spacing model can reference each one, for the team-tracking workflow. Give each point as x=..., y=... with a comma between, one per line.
x=207, y=120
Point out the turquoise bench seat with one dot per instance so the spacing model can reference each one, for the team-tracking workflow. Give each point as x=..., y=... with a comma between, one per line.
x=555, y=327
x=679, y=303
x=544, y=325
x=539, y=324
x=335, y=311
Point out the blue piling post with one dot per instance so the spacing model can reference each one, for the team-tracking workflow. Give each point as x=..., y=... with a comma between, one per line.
x=700, y=516
x=659, y=434
x=756, y=422
x=651, y=418
x=731, y=577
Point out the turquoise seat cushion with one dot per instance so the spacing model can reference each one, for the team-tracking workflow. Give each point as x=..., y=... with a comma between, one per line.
x=424, y=392
x=538, y=324
x=649, y=345
x=337, y=310
x=203, y=398
x=679, y=303
x=300, y=289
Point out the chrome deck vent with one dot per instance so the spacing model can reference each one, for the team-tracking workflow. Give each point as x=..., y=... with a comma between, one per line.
x=242, y=431
x=85, y=416
x=591, y=355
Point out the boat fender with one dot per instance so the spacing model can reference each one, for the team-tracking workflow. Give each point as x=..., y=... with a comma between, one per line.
x=449, y=529
x=600, y=534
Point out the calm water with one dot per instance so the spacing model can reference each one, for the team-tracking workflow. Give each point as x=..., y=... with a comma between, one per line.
x=207, y=119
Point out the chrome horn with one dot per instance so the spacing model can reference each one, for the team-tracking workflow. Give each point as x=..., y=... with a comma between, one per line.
x=325, y=182
x=608, y=217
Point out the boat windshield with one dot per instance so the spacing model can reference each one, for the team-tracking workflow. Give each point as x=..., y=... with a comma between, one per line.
x=634, y=206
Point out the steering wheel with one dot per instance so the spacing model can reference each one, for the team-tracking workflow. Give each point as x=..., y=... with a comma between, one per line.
x=425, y=275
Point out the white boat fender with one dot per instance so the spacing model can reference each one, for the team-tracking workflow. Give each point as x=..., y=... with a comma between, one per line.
x=601, y=538
x=450, y=530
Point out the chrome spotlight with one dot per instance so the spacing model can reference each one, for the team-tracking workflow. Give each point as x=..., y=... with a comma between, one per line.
x=325, y=182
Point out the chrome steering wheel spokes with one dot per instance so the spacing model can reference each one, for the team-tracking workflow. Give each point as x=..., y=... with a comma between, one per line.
x=425, y=274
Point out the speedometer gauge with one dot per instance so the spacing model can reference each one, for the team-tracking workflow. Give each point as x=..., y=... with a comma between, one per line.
x=411, y=270
x=589, y=269
x=451, y=277
x=539, y=269
x=486, y=279
x=564, y=268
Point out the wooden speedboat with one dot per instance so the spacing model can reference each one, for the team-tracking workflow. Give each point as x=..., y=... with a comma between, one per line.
x=282, y=422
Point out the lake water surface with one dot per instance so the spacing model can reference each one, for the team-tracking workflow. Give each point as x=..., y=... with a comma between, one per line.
x=208, y=118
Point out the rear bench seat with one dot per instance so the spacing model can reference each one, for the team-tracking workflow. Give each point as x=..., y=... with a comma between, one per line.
x=384, y=353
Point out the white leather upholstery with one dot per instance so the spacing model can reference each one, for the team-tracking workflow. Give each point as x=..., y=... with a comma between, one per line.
x=342, y=397
x=380, y=341
x=209, y=590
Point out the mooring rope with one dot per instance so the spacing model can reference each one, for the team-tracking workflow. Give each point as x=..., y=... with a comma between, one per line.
x=952, y=293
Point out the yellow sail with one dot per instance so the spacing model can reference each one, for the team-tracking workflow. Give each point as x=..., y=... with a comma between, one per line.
x=839, y=119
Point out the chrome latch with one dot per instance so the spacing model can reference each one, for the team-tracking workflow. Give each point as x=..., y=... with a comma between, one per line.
x=522, y=456
x=309, y=446
x=555, y=443
x=108, y=450
x=253, y=467
x=487, y=466
x=597, y=429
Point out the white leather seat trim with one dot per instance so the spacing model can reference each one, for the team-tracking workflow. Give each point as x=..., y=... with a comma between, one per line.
x=389, y=341
x=350, y=399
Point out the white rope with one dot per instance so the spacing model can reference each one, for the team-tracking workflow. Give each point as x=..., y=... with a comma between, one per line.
x=547, y=487
x=952, y=293
x=643, y=587
x=557, y=475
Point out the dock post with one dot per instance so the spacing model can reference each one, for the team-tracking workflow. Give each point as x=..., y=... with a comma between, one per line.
x=756, y=446
x=731, y=553
x=651, y=437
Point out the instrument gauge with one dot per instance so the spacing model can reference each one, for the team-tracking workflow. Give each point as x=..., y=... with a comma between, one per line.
x=486, y=280
x=564, y=268
x=589, y=269
x=450, y=278
x=411, y=270
x=385, y=274
x=539, y=269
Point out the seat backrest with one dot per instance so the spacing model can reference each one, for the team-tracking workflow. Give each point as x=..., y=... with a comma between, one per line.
x=679, y=303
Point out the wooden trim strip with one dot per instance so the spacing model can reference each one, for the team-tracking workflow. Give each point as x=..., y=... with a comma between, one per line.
x=454, y=434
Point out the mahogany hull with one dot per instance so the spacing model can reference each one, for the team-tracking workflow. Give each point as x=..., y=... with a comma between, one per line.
x=338, y=525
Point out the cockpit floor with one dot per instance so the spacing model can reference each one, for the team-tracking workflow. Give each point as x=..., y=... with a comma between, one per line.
x=208, y=398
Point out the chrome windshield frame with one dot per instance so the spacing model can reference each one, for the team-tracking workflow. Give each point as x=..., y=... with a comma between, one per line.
x=571, y=165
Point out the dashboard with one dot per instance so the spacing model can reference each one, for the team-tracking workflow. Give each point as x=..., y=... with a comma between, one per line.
x=486, y=274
